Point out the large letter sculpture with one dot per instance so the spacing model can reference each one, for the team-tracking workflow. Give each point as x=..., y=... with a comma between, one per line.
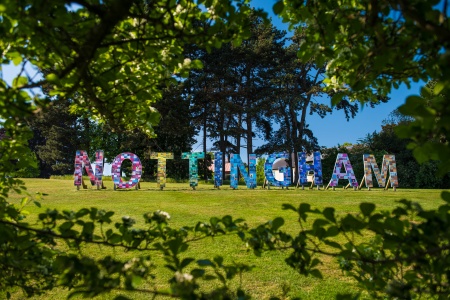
x=369, y=164
x=82, y=159
x=285, y=170
x=342, y=159
x=303, y=168
x=249, y=178
x=218, y=169
x=135, y=174
x=161, y=176
x=193, y=166
x=387, y=165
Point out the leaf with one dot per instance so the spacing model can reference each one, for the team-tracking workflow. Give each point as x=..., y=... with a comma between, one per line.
x=82, y=212
x=446, y=196
x=336, y=99
x=367, y=208
x=438, y=88
x=332, y=231
x=38, y=204
x=65, y=226
x=218, y=260
x=329, y=214
x=205, y=262
x=278, y=7
x=16, y=57
x=315, y=262
x=52, y=77
x=287, y=206
x=121, y=297
x=174, y=246
x=185, y=262
x=227, y=220
x=347, y=296
x=333, y=244
x=136, y=280
x=198, y=273
x=115, y=238
x=24, y=201
x=277, y=223
x=241, y=295
x=319, y=223
x=20, y=81
x=303, y=209
x=316, y=273
x=350, y=223
x=214, y=221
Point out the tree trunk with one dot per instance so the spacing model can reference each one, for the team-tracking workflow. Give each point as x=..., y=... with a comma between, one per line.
x=205, y=165
x=238, y=134
x=249, y=136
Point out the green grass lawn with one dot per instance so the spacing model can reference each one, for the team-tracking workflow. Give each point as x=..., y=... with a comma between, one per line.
x=270, y=275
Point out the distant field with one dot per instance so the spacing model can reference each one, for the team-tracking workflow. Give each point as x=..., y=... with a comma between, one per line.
x=187, y=207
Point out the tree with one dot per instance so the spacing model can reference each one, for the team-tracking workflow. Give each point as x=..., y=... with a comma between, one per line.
x=360, y=40
x=298, y=89
x=57, y=135
x=92, y=49
x=232, y=88
x=254, y=69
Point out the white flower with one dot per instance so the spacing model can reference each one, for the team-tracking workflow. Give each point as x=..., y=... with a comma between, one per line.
x=129, y=264
x=163, y=214
x=183, y=277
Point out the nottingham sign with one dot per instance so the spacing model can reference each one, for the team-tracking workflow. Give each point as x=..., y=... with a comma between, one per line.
x=387, y=175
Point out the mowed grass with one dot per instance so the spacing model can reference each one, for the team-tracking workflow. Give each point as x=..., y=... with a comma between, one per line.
x=271, y=275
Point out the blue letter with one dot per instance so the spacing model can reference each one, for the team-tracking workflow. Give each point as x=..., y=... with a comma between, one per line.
x=285, y=170
x=236, y=162
x=193, y=166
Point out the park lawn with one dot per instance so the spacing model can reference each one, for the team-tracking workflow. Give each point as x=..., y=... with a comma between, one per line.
x=270, y=275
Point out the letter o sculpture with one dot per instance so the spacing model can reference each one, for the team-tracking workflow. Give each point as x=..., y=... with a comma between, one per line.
x=136, y=170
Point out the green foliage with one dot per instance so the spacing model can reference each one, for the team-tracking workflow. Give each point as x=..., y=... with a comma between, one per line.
x=359, y=42
x=57, y=135
x=27, y=172
x=260, y=169
x=187, y=207
x=430, y=129
x=406, y=258
x=91, y=276
x=87, y=53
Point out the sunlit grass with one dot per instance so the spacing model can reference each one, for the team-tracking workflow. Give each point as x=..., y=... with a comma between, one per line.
x=270, y=275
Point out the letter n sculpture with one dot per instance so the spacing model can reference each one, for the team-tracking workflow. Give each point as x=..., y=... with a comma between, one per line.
x=249, y=178
x=82, y=160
